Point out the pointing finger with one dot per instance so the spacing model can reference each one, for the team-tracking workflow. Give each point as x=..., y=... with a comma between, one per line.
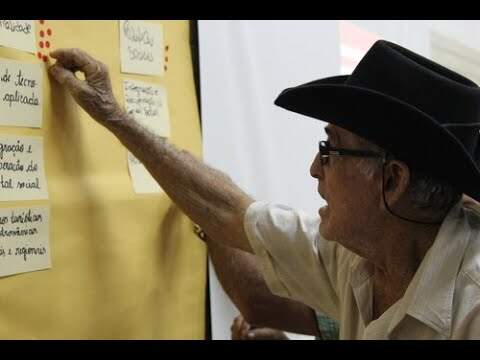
x=76, y=60
x=66, y=77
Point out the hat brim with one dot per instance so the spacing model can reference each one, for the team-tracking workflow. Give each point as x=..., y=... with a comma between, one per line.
x=400, y=128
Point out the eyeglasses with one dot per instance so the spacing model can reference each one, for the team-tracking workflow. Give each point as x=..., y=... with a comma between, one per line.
x=326, y=150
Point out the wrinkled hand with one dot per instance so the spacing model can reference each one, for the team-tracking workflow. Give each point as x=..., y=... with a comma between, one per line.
x=94, y=94
x=242, y=330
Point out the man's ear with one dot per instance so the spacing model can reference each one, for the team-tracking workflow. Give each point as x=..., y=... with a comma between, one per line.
x=396, y=179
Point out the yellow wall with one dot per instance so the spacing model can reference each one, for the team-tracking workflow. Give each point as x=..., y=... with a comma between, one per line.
x=124, y=266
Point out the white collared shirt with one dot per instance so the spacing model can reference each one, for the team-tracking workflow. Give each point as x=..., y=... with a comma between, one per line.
x=441, y=302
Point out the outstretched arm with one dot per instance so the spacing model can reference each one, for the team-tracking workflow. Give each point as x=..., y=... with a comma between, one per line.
x=206, y=195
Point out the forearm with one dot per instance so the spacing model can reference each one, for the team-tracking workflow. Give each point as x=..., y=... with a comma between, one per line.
x=241, y=278
x=205, y=194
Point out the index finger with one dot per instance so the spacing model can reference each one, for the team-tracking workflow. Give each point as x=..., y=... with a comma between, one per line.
x=76, y=60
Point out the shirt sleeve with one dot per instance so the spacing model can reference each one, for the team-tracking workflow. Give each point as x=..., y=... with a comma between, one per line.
x=466, y=321
x=296, y=262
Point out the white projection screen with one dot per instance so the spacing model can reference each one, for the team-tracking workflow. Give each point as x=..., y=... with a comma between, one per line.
x=266, y=150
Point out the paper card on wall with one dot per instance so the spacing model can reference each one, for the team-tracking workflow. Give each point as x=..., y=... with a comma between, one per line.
x=21, y=88
x=18, y=34
x=354, y=43
x=24, y=240
x=143, y=182
x=141, y=47
x=22, y=171
x=147, y=103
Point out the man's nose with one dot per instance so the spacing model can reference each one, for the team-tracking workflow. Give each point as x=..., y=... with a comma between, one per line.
x=316, y=169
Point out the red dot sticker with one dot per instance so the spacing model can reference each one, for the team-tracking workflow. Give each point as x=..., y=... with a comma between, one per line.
x=42, y=43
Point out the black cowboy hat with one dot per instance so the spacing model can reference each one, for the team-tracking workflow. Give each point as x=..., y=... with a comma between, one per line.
x=417, y=110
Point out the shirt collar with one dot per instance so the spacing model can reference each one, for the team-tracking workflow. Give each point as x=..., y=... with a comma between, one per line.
x=361, y=273
x=429, y=297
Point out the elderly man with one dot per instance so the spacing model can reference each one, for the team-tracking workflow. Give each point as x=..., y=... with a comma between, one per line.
x=396, y=253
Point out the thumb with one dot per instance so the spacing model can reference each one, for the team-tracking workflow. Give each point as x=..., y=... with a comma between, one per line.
x=66, y=77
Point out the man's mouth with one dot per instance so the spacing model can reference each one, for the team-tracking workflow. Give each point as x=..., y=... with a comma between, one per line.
x=323, y=209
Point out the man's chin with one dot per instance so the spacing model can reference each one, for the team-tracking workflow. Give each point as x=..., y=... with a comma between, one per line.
x=324, y=233
x=328, y=233
x=333, y=236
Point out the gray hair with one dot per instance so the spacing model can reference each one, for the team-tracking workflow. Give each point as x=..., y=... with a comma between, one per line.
x=427, y=192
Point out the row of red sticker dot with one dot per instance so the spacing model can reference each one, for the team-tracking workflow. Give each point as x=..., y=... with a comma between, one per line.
x=43, y=43
x=166, y=58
